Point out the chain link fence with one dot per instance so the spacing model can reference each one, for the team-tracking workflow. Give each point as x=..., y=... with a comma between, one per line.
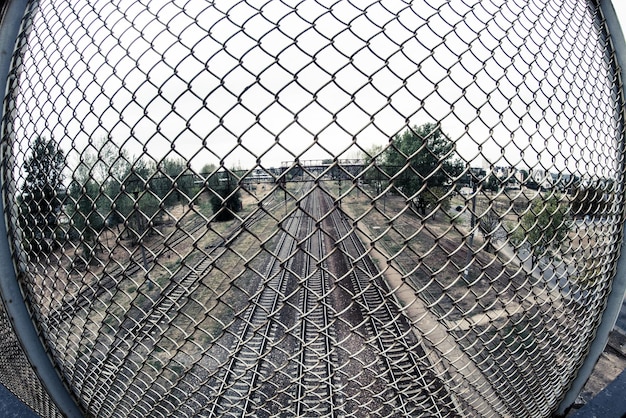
x=314, y=208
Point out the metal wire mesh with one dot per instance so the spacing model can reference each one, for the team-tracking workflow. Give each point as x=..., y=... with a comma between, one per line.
x=18, y=375
x=276, y=208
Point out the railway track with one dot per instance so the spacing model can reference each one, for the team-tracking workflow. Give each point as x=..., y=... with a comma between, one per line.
x=314, y=388
x=72, y=303
x=417, y=390
x=144, y=323
x=315, y=391
x=241, y=385
x=311, y=387
x=257, y=329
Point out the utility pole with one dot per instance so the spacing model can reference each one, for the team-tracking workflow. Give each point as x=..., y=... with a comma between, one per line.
x=470, y=244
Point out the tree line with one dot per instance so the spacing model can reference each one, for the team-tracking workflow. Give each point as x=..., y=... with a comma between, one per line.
x=109, y=189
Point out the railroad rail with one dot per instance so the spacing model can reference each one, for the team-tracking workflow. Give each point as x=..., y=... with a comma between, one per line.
x=145, y=322
x=417, y=390
x=72, y=303
x=316, y=392
x=314, y=384
x=257, y=326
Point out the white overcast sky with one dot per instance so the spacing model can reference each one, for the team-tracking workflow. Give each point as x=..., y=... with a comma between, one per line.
x=620, y=8
x=514, y=85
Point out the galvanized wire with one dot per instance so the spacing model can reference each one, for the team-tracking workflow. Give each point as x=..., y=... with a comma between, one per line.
x=17, y=374
x=276, y=208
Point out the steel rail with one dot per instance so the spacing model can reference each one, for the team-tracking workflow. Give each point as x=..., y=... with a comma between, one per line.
x=303, y=318
x=169, y=297
x=182, y=233
x=373, y=299
x=90, y=292
x=142, y=325
x=388, y=315
x=326, y=315
x=142, y=328
x=257, y=314
x=138, y=325
x=359, y=292
x=314, y=311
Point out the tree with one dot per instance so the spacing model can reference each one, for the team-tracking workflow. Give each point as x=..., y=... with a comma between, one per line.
x=100, y=173
x=490, y=225
x=595, y=199
x=86, y=221
x=493, y=183
x=138, y=205
x=420, y=159
x=107, y=161
x=433, y=197
x=372, y=173
x=42, y=195
x=544, y=226
x=174, y=182
x=225, y=196
x=95, y=186
x=207, y=170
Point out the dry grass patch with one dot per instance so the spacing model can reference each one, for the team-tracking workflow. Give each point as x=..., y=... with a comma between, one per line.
x=434, y=254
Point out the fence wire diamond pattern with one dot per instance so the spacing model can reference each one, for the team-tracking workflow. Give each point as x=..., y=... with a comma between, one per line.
x=314, y=208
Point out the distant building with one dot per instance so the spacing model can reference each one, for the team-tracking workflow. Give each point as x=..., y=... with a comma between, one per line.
x=539, y=179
